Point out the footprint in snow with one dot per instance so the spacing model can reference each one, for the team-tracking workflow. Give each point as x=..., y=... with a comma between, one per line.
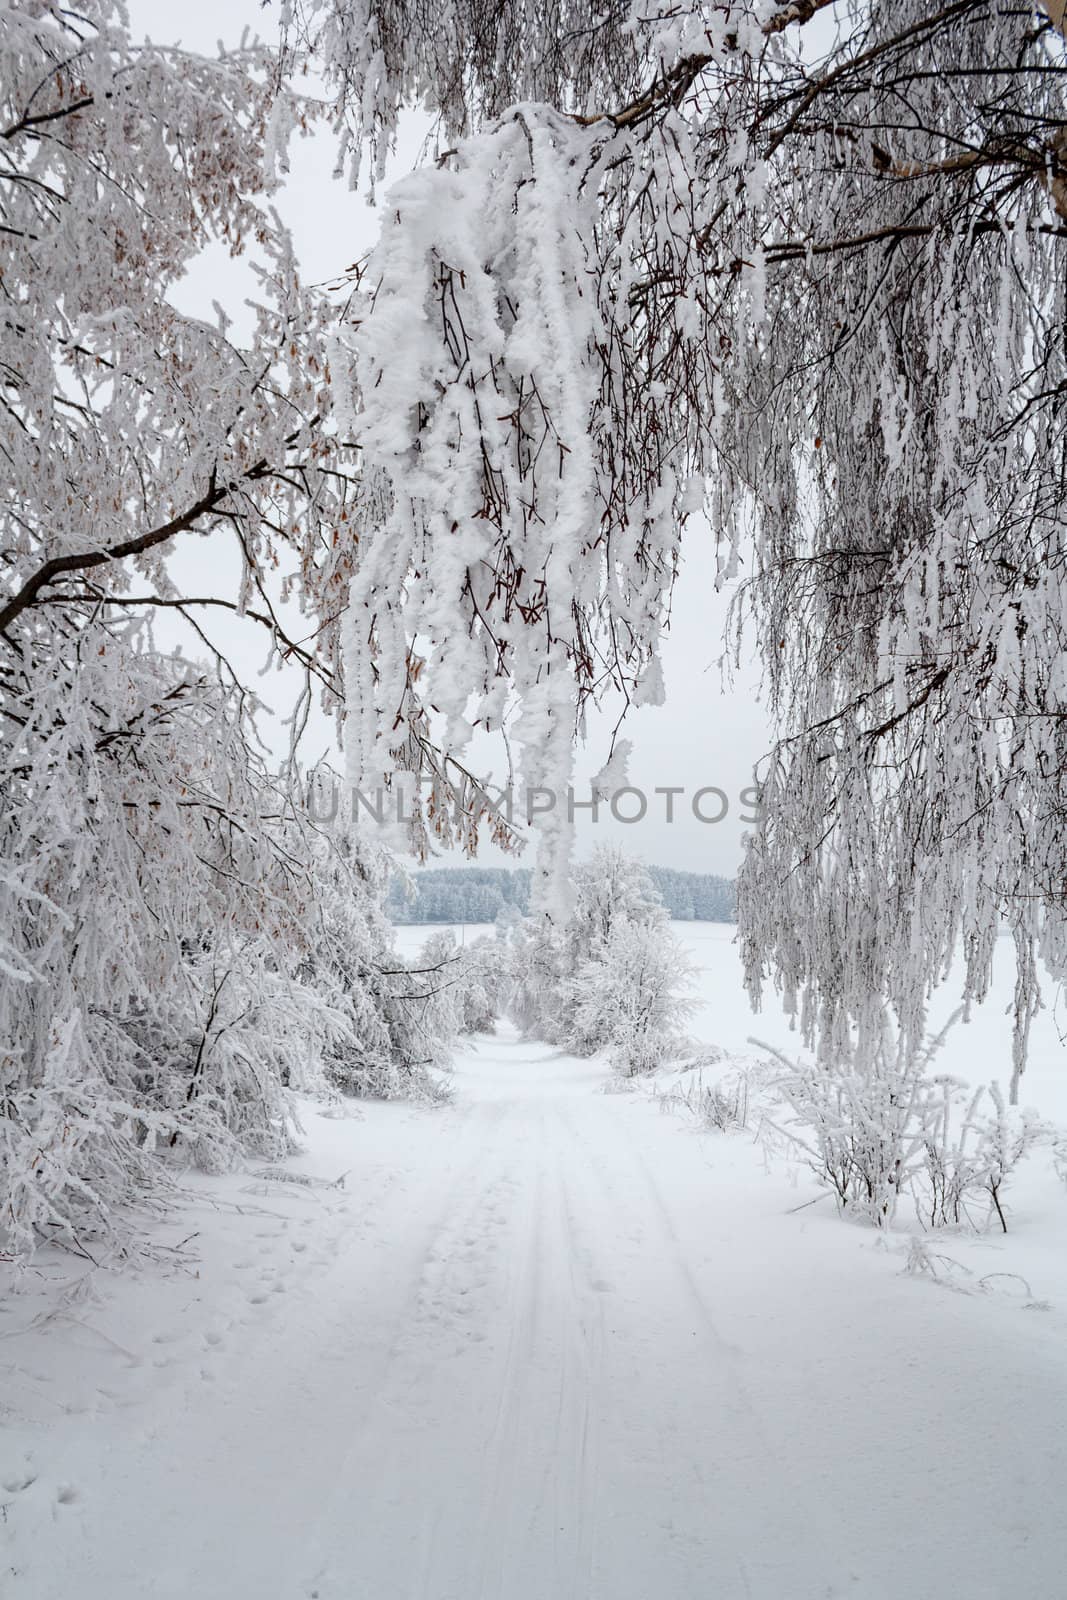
x=17, y=1485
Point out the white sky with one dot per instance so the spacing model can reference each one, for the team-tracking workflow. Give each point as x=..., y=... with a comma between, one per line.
x=707, y=734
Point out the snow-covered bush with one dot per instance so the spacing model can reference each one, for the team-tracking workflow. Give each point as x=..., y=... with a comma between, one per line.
x=861, y=1133
x=435, y=980
x=723, y=1093
x=485, y=984
x=178, y=948
x=408, y=1014
x=1059, y=1155
x=610, y=891
x=726, y=1102
x=147, y=906
x=610, y=977
x=724, y=1105
x=537, y=971
x=626, y=999
x=472, y=983
x=972, y=1143
x=391, y=1040
x=899, y=1129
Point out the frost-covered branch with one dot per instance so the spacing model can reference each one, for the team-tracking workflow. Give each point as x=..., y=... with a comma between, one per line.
x=180, y=948
x=809, y=278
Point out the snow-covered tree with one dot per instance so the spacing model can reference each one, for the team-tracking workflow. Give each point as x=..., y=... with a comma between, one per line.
x=607, y=978
x=627, y=999
x=485, y=986
x=805, y=268
x=174, y=951
x=610, y=889
x=394, y=1035
x=455, y=989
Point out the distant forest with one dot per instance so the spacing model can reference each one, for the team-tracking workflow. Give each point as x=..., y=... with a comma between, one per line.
x=480, y=894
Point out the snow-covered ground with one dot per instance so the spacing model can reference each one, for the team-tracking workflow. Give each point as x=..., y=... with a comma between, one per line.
x=544, y=1343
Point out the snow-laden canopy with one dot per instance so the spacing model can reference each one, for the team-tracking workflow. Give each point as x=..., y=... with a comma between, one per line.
x=802, y=267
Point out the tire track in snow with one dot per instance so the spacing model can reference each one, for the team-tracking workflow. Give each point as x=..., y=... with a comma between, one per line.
x=544, y=1450
x=653, y=1247
x=416, y=1472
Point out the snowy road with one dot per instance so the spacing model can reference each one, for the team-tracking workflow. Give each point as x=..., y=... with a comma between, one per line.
x=551, y=1346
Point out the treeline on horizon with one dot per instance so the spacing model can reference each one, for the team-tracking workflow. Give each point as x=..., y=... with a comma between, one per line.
x=480, y=894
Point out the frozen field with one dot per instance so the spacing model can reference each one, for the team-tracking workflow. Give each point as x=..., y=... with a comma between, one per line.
x=545, y=1343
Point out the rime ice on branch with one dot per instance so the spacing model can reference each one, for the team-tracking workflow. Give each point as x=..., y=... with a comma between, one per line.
x=510, y=552
x=178, y=948
x=816, y=264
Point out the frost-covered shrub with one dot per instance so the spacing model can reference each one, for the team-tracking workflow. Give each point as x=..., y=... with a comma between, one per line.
x=433, y=983
x=610, y=889
x=897, y=1129
x=552, y=965
x=725, y=1103
x=1059, y=1155
x=727, y=1094
x=390, y=1043
x=609, y=979
x=485, y=984
x=859, y=1133
x=178, y=949
x=460, y=988
x=972, y=1143
x=146, y=911
x=537, y=971
x=626, y=1000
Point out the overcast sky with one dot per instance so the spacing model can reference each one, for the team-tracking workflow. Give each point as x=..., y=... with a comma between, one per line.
x=707, y=734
